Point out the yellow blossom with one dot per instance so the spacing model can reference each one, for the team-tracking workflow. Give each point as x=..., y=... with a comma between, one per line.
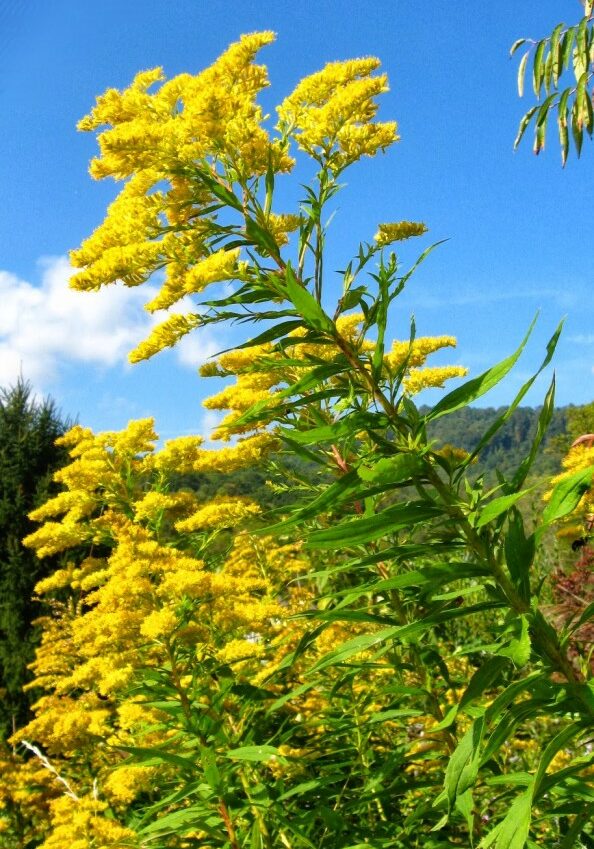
x=219, y=512
x=164, y=335
x=415, y=353
x=159, y=623
x=388, y=233
x=425, y=378
x=218, y=266
x=331, y=112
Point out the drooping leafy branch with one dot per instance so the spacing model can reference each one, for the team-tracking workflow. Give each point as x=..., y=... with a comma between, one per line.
x=562, y=67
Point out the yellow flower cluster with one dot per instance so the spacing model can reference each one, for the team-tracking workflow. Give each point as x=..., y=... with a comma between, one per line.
x=330, y=113
x=185, y=454
x=187, y=145
x=188, y=118
x=154, y=135
x=164, y=335
x=81, y=824
x=219, y=512
x=431, y=378
x=398, y=232
x=221, y=265
x=27, y=787
x=131, y=603
x=416, y=353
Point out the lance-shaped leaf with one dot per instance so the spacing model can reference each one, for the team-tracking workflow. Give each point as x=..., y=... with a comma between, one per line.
x=255, y=753
x=473, y=389
x=544, y=419
x=519, y=553
x=500, y=505
x=463, y=766
x=519, y=646
x=361, y=531
x=512, y=832
x=305, y=303
x=566, y=496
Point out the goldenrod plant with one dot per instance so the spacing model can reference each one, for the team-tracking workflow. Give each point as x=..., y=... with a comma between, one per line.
x=372, y=666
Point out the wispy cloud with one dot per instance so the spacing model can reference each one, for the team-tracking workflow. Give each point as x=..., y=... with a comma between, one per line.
x=582, y=339
x=47, y=326
x=562, y=296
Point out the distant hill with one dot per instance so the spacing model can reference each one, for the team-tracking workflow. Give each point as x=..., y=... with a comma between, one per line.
x=511, y=444
x=463, y=429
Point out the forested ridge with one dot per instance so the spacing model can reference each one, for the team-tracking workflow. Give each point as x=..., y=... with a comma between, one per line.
x=462, y=429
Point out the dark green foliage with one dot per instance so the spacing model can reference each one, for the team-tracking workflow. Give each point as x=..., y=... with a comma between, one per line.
x=580, y=421
x=28, y=458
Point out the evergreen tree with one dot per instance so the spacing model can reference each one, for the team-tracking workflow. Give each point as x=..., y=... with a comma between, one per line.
x=28, y=458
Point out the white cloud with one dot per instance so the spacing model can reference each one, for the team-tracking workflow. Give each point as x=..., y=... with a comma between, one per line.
x=47, y=326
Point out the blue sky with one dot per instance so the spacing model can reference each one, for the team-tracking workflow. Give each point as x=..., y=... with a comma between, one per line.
x=517, y=225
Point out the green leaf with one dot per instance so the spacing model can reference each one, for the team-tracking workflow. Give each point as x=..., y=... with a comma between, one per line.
x=218, y=189
x=522, y=73
x=512, y=832
x=354, y=646
x=254, y=753
x=391, y=470
x=556, y=52
x=261, y=237
x=155, y=755
x=580, y=55
x=501, y=420
x=305, y=303
x=541, y=123
x=524, y=125
x=500, y=505
x=282, y=329
x=478, y=386
x=330, y=497
x=316, y=435
x=483, y=678
x=548, y=71
x=506, y=698
x=562, y=123
x=264, y=409
x=566, y=496
x=537, y=67
x=463, y=766
x=577, y=128
x=519, y=553
x=586, y=616
x=556, y=744
x=398, y=632
x=519, y=647
x=422, y=257
x=544, y=419
x=505, y=728
x=212, y=775
x=187, y=819
x=360, y=531
x=516, y=45
x=567, y=47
